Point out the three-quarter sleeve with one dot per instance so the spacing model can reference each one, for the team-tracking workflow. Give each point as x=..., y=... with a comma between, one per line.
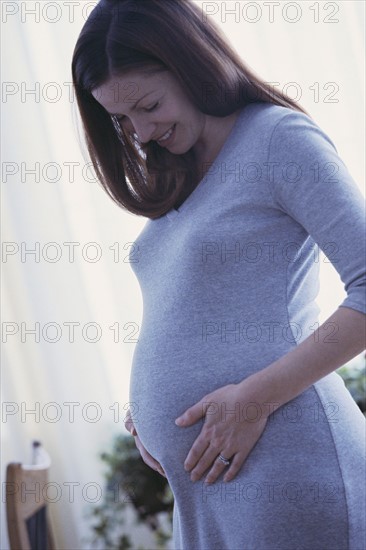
x=311, y=183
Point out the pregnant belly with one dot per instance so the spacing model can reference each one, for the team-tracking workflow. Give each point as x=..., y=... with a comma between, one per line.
x=159, y=393
x=170, y=375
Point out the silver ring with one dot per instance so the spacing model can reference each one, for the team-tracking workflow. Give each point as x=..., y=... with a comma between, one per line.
x=226, y=461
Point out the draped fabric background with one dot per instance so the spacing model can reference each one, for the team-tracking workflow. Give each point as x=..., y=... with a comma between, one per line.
x=71, y=307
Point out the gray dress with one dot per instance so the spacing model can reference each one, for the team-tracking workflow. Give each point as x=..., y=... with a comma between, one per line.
x=229, y=282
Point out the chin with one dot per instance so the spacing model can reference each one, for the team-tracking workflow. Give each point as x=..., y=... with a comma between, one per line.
x=178, y=151
x=179, y=148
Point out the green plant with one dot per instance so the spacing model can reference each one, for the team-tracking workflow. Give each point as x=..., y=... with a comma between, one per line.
x=129, y=481
x=354, y=376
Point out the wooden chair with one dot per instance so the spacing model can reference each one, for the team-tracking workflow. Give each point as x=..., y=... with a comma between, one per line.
x=26, y=507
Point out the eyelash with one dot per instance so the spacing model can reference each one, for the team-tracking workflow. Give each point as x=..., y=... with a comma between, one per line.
x=121, y=118
x=152, y=108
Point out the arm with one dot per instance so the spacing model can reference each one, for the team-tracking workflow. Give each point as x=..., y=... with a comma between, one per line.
x=315, y=357
x=331, y=208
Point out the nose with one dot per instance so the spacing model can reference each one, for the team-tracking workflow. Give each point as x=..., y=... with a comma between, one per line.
x=144, y=130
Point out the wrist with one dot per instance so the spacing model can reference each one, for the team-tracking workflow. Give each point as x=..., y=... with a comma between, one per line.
x=255, y=391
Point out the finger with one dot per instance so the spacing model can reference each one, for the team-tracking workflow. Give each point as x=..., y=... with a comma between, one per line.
x=128, y=420
x=159, y=468
x=129, y=425
x=210, y=459
x=198, y=448
x=148, y=459
x=235, y=466
x=131, y=429
x=155, y=466
x=218, y=467
x=193, y=414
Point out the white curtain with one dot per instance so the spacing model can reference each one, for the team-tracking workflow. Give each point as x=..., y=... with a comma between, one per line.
x=71, y=306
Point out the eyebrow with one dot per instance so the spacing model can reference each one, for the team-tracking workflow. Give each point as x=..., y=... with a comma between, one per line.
x=137, y=102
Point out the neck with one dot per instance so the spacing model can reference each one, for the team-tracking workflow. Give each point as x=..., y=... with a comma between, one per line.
x=219, y=127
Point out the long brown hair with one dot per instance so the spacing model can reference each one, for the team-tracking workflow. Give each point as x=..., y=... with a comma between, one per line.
x=148, y=35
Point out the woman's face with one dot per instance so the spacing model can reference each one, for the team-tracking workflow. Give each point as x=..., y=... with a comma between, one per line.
x=154, y=107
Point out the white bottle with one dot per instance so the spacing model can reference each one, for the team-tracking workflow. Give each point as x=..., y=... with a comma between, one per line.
x=40, y=456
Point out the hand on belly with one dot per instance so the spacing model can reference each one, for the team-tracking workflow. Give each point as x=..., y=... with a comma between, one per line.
x=145, y=455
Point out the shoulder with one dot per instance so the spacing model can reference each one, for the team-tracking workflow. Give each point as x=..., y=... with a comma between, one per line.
x=279, y=124
x=266, y=116
x=292, y=130
x=273, y=133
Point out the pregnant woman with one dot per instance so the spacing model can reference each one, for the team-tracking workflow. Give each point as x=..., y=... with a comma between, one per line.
x=234, y=393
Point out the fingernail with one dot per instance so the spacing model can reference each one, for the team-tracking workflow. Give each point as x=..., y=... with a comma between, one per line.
x=179, y=421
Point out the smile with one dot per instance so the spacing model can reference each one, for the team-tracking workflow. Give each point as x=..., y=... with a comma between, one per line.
x=167, y=136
